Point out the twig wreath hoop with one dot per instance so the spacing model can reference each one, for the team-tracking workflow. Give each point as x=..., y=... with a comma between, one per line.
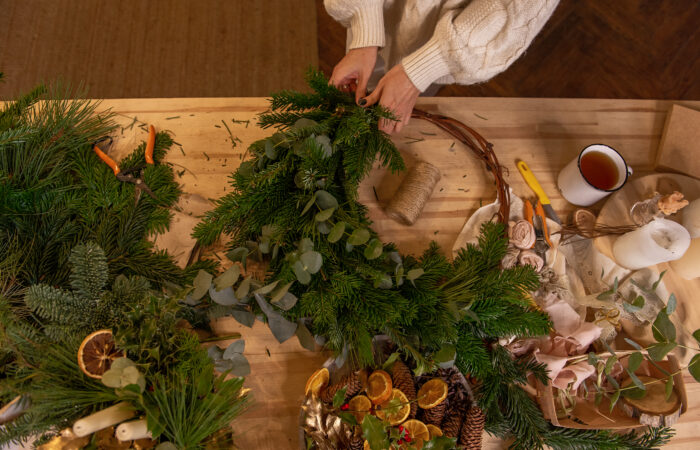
x=483, y=150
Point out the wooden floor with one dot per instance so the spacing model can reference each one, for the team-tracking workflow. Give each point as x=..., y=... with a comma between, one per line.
x=158, y=48
x=589, y=48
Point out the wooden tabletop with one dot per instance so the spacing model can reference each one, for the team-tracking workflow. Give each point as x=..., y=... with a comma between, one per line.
x=546, y=133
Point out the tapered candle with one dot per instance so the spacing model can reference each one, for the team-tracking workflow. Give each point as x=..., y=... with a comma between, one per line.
x=103, y=419
x=130, y=431
x=660, y=240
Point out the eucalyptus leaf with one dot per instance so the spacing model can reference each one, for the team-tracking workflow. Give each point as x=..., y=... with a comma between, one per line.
x=694, y=367
x=374, y=249
x=223, y=365
x=657, y=352
x=324, y=215
x=238, y=254
x=165, y=445
x=240, y=365
x=598, y=398
x=228, y=278
x=305, y=337
x=634, y=361
x=325, y=143
x=696, y=335
x=414, y=274
x=302, y=275
x=225, y=297
x=279, y=292
x=267, y=288
x=305, y=245
x=399, y=275
x=287, y=301
x=384, y=282
x=671, y=304
x=613, y=399
x=233, y=348
x=304, y=123
x=281, y=328
x=359, y=236
x=122, y=363
x=112, y=378
x=336, y=232
x=657, y=282
x=264, y=246
x=634, y=393
x=201, y=284
x=447, y=353
x=662, y=328
x=349, y=247
x=637, y=382
x=668, y=389
x=323, y=227
x=609, y=364
x=325, y=200
x=396, y=258
x=390, y=360
x=312, y=261
x=270, y=150
x=215, y=352
x=243, y=288
x=243, y=317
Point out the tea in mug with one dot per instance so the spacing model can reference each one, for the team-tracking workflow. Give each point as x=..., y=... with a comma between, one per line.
x=600, y=170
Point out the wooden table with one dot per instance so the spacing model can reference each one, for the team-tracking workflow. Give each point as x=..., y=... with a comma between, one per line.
x=547, y=133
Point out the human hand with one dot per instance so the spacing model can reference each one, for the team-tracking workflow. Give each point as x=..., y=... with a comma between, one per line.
x=397, y=93
x=355, y=69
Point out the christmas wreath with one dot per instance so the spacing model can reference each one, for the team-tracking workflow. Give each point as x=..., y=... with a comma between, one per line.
x=294, y=205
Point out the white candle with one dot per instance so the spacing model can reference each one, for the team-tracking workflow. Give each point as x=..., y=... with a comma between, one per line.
x=688, y=266
x=691, y=218
x=660, y=240
x=130, y=431
x=103, y=419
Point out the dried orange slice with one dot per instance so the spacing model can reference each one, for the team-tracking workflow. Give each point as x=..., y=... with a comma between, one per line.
x=417, y=432
x=396, y=409
x=96, y=353
x=434, y=431
x=379, y=387
x=317, y=381
x=359, y=406
x=432, y=393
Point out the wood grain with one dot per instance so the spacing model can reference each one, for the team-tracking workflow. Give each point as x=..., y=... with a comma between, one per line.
x=589, y=48
x=546, y=133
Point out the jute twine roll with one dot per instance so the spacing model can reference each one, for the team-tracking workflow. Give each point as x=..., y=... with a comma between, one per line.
x=414, y=192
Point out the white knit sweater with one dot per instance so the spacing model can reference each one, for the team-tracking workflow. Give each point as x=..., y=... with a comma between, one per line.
x=444, y=41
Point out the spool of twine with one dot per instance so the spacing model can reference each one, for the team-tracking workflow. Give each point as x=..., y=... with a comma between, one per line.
x=414, y=192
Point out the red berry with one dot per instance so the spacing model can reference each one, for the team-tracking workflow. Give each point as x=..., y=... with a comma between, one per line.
x=407, y=439
x=345, y=407
x=400, y=428
x=399, y=442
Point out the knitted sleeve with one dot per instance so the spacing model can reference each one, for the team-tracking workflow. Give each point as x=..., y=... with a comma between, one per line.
x=365, y=18
x=472, y=44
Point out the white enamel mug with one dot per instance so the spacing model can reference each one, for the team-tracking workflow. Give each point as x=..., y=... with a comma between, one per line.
x=574, y=186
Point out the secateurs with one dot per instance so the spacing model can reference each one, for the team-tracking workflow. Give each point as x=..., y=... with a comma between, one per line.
x=536, y=216
x=127, y=175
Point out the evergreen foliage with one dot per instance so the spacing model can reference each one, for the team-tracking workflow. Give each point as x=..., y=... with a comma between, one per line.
x=56, y=193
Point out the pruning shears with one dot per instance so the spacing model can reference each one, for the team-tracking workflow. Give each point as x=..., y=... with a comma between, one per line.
x=127, y=175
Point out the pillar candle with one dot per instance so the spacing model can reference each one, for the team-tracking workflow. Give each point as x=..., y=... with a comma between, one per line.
x=131, y=431
x=103, y=419
x=661, y=240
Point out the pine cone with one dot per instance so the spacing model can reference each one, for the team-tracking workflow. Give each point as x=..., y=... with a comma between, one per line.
x=435, y=415
x=452, y=423
x=473, y=427
x=329, y=391
x=356, y=383
x=357, y=443
x=402, y=379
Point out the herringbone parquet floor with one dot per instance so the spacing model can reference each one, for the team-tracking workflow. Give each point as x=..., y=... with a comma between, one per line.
x=589, y=48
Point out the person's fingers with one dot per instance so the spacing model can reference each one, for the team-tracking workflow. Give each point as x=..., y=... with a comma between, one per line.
x=372, y=98
x=361, y=90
